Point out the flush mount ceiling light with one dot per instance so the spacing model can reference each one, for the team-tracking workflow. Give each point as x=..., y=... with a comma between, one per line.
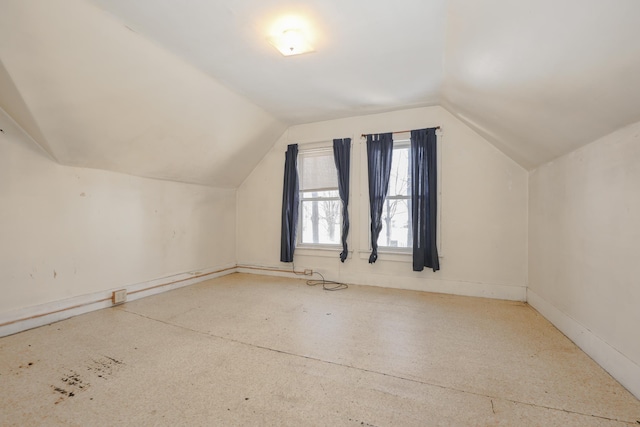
x=292, y=33
x=291, y=42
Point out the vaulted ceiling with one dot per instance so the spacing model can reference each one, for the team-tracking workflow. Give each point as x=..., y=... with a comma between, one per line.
x=192, y=91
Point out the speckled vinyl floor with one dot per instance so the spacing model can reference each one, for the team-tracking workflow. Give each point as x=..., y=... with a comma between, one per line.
x=254, y=350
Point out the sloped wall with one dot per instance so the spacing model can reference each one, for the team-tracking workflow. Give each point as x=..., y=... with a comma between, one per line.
x=68, y=231
x=584, y=249
x=96, y=94
x=483, y=203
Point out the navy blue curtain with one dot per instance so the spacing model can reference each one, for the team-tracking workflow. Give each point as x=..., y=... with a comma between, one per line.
x=424, y=199
x=290, y=197
x=379, y=154
x=342, y=157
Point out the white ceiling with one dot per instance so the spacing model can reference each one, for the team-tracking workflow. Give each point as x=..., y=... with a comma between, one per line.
x=368, y=58
x=192, y=91
x=541, y=78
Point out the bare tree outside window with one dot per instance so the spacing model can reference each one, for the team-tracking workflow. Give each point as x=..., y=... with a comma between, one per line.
x=321, y=217
x=396, y=224
x=331, y=215
x=320, y=205
x=315, y=219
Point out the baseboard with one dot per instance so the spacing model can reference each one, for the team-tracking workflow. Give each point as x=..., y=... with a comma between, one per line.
x=270, y=271
x=44, y=314
x=619, y=366
x=451, y=287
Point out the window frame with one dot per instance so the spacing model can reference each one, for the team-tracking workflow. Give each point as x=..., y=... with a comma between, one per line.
x=310, y=152
x=391, y=253
x=399, y=144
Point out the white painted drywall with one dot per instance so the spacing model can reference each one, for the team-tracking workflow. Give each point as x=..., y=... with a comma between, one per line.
x=483, y=237
x=584, y=245
x=68, y=231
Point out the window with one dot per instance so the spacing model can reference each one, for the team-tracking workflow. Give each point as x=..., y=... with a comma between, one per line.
x=396, y=214
x=320, y=218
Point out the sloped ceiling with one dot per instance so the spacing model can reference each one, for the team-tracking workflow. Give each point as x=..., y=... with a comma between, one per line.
x=192, y=91
x=541, y=78
x=102, y=96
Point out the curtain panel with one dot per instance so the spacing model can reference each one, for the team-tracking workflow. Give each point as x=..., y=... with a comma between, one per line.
x=424, y=198
x=290, y=201
x=342, y=158
x=379, y=155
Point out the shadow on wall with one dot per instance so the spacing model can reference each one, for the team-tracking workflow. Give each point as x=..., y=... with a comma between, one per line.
x=14, y=105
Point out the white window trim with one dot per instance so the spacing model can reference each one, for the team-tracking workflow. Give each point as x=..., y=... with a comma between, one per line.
x=390, y=253
x=325, y=252
x=399, y=252
x=315, y=249
x=394, y=256
x=397, y=144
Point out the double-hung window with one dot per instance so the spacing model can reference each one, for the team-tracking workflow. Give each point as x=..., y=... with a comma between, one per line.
x=396, y=214
x=320, y=217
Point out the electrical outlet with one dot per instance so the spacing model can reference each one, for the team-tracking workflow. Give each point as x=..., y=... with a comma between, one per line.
x=119, y=297
x=308, y=272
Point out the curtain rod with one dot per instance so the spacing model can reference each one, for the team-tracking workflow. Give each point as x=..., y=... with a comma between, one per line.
x=398, y=131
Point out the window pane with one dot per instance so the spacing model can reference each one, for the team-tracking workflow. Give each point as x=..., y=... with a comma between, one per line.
x=320, y=218
x=318, y=171
x=396, y=224
x=321, y=221
x=314, y=194
x=396, y=220
x=399, y=179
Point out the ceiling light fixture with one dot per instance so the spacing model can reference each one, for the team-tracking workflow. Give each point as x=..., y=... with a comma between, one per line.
x=291, y=42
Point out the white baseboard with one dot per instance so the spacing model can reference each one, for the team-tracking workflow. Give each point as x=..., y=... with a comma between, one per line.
x=44, y=314
x=270, y=271
x=452, y=287
x=623, y=369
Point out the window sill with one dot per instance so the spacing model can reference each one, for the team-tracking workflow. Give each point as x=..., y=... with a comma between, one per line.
x=390, y=255
x=320, y=251
x=387, y=255
x=334, y=252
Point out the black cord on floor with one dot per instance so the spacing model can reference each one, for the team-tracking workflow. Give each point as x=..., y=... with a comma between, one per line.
x=327, y=285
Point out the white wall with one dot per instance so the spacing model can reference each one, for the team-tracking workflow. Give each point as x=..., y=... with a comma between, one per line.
x=584, y=249
x=67, y=231
x=483, y=239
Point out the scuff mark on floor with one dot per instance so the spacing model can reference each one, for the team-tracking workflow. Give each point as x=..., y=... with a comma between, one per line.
x=362, y=423
x=116, y=361
x=73, y=383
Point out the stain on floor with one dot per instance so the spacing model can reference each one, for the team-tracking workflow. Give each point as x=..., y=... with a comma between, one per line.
x=72, y=383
